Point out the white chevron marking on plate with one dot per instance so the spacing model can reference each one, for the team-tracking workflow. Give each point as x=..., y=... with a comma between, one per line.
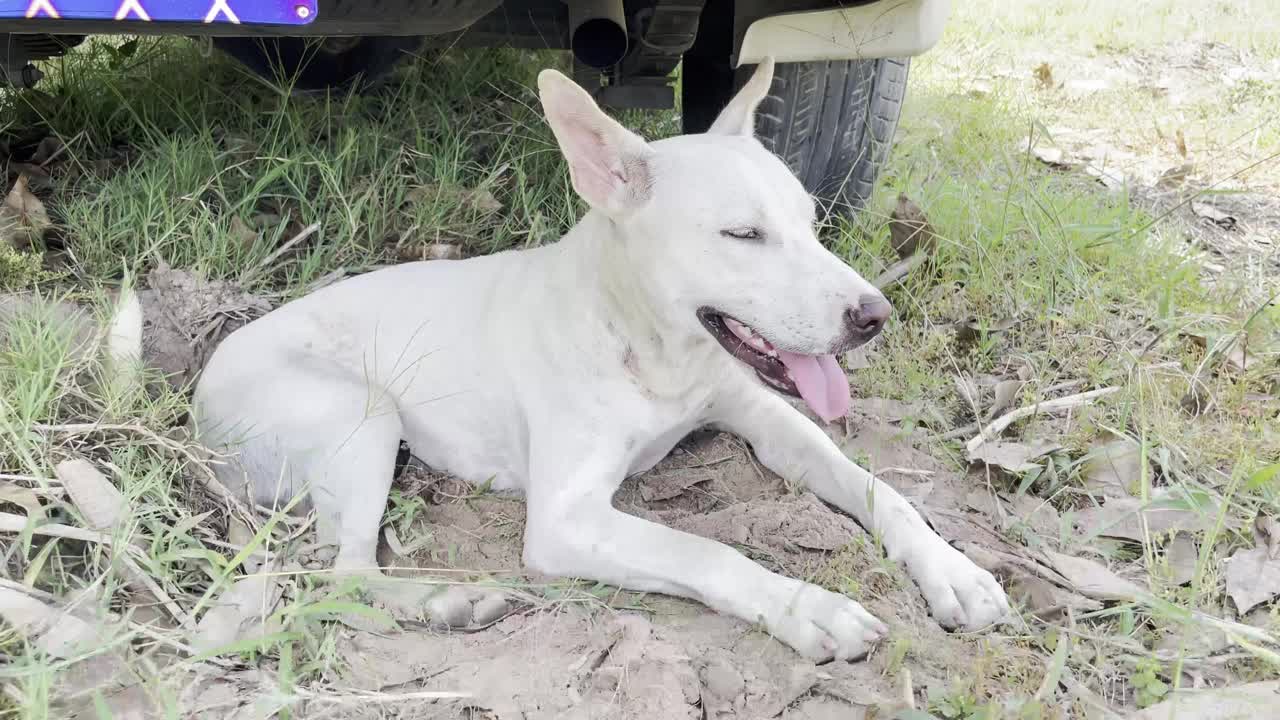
x=220, y=7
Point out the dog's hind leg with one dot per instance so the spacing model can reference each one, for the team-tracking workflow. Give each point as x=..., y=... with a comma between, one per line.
x=332, y=438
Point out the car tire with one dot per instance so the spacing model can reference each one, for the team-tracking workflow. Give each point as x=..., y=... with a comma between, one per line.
x=317, y=64
x=832, y=122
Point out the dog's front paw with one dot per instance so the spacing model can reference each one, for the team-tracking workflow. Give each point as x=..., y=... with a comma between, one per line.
x=822, y=625
x=961, y=595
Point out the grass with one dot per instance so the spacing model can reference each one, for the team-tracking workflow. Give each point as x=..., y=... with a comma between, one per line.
x=178, y=157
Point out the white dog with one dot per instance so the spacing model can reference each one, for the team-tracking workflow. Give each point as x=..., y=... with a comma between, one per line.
x=693, y=293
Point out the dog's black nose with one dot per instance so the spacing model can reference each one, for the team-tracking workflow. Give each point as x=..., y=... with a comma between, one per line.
x=867, y=319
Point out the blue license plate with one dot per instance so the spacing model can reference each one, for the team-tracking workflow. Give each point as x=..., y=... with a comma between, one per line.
x=247, y=12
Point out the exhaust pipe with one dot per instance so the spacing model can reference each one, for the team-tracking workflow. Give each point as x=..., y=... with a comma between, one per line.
x=597, y=32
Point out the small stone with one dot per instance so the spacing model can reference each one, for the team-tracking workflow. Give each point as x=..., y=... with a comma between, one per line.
x=489, y=608
x=451, y=608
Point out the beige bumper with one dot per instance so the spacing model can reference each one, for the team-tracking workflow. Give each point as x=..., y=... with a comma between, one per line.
x=888, y=28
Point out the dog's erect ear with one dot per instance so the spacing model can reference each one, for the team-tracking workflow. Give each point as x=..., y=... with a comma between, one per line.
x=739, y=116
x=607, y=163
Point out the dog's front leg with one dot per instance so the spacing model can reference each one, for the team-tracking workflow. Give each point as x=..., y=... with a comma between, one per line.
x=573, y=530
x=960, y=594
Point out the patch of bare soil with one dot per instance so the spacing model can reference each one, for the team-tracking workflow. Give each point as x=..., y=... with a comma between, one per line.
x=187, y=316
x=552, y=651
x=651, y=656
x=1182, y=128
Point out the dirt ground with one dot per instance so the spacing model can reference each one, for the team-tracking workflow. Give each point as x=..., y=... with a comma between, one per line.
x=1183, y=126
x=1177, y=126
x=631, y=656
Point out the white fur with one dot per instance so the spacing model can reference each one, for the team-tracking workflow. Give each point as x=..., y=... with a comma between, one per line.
x=561, y=370
x=124, y=342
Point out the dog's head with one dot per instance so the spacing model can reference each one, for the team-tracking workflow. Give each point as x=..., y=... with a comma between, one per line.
x=722, y=234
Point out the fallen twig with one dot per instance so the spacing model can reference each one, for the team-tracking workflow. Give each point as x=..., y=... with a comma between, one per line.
x=899, y=270
x=306, y=232
x=367, y=696
x=908, y=689
x=997, y=426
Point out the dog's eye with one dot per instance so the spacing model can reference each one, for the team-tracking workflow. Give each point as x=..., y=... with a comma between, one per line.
x=743, y=233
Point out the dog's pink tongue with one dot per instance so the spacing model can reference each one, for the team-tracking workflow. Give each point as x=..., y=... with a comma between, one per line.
x=821, y=382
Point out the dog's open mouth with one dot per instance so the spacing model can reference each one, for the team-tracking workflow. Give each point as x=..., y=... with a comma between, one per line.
x=817, y=379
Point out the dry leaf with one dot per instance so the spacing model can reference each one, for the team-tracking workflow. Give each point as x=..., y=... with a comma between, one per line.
x=1114, y=469
x=240, y=535
x=1035, y=594
x=1110, y=178
x=1266, y=532
x=1253, y=701
x=23, y=219
x=1180, y=141
x=971, y=331
x=1014, y=457
x=1027, y=585
x=23, y=497
x=1174, y=177
x=1093, y=579
x=242, y=234
x=909, y=229
x=1124, y=518
x=1232, y=350
x=1252, y=578
x=1044, y=75
x=1181, y=557
x=393, y=541
x=479, y=200
x=1213, y=215
x=1005, y=393
x=54, y=631
x=239, y=613
x=48, y=149
x=1052, y=157
x=92, y=493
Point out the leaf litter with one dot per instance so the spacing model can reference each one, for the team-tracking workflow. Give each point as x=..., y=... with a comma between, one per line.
x=23, y=218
